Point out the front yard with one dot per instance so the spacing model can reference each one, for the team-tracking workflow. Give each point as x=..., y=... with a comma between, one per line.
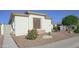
x=22, y=42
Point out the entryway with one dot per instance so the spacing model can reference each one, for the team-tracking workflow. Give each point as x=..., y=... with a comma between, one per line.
x=36, y=23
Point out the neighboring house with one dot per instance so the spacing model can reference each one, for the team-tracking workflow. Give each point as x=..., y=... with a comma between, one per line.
x=62, y=27
x=21, y=23
x=59, y=27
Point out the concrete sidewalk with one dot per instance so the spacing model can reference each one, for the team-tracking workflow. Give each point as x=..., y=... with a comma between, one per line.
x=8, y=42
x=1, y=41
x=67, y=43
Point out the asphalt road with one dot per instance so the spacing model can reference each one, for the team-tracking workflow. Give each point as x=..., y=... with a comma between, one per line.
x=67, y=43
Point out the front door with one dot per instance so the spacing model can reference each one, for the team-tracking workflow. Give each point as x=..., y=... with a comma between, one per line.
x=36, y=23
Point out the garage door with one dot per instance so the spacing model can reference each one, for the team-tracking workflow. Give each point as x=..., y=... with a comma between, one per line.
x=21, y=25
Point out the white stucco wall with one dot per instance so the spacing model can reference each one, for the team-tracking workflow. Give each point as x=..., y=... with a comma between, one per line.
x=21, y=25
x=48, y=25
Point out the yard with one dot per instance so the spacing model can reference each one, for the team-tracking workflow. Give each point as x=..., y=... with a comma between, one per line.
x=56, y=36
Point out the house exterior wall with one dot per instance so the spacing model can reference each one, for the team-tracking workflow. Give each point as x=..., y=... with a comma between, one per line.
x=21, y=25
x=31, y=20
x=48, y=25
x=13, y=27
x=42, y=21
x=13, y=24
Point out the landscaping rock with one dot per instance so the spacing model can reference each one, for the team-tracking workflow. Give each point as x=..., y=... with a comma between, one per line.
x=47, y=37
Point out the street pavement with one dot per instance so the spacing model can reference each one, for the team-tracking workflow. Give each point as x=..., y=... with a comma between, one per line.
x=8, y=42
x=67, y=43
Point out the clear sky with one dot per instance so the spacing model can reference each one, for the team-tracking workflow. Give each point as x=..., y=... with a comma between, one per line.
x=56, y=15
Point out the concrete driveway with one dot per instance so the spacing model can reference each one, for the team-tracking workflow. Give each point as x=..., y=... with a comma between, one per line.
x=67, y=43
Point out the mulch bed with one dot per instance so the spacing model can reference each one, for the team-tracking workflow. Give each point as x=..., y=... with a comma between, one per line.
x=22, y=42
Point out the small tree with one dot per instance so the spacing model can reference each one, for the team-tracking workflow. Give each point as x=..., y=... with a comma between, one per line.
x=70, y=21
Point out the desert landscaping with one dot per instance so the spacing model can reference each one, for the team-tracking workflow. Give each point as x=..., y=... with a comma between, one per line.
x=22, y=42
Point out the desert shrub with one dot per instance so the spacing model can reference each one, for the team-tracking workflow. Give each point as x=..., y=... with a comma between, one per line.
x=32, y=34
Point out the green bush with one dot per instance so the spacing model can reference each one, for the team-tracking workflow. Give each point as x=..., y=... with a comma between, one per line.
x=77, y=26
x=49, y=33
x=32, y=34
x=76, y=30
x=56, y=28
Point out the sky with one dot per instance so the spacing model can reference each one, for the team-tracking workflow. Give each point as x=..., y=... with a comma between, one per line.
x=56, y=15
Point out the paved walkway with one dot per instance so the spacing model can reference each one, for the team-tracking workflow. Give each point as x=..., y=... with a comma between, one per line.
x=8, y=42
x=67, y=43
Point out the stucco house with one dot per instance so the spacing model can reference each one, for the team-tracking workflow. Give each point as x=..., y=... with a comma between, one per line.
x=21, y=23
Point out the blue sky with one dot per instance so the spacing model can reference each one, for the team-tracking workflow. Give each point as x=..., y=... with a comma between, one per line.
x=56, y=15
